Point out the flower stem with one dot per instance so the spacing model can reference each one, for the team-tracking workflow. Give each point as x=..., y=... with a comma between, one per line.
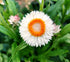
x=41, y=5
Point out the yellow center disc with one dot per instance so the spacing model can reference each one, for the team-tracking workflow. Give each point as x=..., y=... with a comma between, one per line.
x=37, y=27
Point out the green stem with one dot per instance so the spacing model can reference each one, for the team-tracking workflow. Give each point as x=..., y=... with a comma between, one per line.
x=41, y=5
x=48, y=50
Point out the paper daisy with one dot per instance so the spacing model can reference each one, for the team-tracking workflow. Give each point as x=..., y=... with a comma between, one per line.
x=56, y=28
x=14, y=19
x=36, y=28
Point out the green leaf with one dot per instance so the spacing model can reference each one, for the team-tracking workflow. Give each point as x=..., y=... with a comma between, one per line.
x=66, y=60
x=9, y=30
x=21, y=46
x=66, y=17
x=56, y=42
x=5, y=58
x=1, y=9
x=57, y=52
x=15, y=58
x=12, y=7
x=61, y=39
x=65, y=30
x=67, y=4
x=5, y=31
x=65, y=11
x=1, y=59
x=1, y=47
x=49, y=60
x=20, y=15
x=44, y=59
x=16, y=49
x=54, y=9
x=68, y=41
x=2, y=21
x=6, y=16
x=61, y=57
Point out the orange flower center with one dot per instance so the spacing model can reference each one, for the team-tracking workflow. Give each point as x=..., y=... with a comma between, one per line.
x=37, y=27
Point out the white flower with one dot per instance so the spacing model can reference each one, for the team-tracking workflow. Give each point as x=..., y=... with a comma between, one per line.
x=14, y=19
x=56, y=28
x=36, y=28
x=40, y=1
x=1, y=2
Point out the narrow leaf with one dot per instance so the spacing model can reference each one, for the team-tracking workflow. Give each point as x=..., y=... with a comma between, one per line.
x=16, y=49
x=10, y=30
x=65, y=30
x=57, y=52
x=5, y=31
x=15, y=57
x=12, y=7
x=54, y=9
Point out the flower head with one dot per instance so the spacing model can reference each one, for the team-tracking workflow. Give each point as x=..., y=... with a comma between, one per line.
x=36, y=28
x=56, y=28
x=14, y=19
